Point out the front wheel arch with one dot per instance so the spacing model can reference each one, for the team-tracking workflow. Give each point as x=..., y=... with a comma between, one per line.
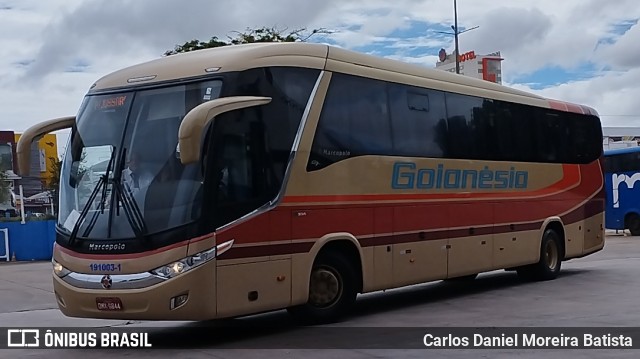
x=342, y=242
x=333, y=287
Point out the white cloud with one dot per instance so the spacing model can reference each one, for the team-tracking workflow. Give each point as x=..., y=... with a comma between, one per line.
x=624, y=53
x=614, y=95
x=42, y=39
x=126, y=28
x=425, y=60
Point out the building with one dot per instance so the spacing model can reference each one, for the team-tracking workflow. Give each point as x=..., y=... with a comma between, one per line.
x=484, y=67
x=47, y=152
x=620, y=137
x=7, y=160
x=34, y=185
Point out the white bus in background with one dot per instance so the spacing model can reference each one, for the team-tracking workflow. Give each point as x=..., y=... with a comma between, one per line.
x=612, y=145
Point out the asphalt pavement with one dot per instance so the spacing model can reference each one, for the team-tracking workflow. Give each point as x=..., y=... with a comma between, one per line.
x=596, y=291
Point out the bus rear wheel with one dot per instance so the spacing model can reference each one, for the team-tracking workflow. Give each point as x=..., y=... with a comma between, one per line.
x=548, y=267
x=332, y=291
x=633, y=223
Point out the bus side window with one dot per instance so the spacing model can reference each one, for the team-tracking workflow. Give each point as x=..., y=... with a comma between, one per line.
x=417, y=121
x=583, y=130
x=467, y=127
x=354, y=122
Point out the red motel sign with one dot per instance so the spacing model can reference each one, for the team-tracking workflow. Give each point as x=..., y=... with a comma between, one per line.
x=467, y=56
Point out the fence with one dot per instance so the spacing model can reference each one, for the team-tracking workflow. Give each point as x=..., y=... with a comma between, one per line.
x=31, y=241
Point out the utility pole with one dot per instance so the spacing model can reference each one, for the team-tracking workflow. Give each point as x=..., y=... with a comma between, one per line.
x=456, y=33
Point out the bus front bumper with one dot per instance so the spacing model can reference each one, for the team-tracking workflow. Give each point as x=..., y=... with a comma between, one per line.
x=143, y=296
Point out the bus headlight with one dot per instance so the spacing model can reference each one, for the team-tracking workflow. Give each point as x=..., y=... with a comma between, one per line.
x=59, y=269
x=186, y=264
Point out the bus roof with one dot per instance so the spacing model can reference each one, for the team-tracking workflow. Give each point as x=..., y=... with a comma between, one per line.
x=619, y=151
x=312, y=55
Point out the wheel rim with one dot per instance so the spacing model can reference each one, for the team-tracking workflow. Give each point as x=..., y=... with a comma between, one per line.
x=551, y=255
x=324, y=288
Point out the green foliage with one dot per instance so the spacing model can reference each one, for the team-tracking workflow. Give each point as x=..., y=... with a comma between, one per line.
x=53, y=184
x=263, y=34
x=196, y=45
x=5, y=185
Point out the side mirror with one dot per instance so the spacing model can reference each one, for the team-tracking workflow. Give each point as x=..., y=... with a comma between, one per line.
x=35, y=133
x=193, y=124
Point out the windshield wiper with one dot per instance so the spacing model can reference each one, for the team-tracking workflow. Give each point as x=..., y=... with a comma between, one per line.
x=102, y=184
x=129, y=204
x=85, y=210
x=105, y=182
x=121, y=195
x=131, y=209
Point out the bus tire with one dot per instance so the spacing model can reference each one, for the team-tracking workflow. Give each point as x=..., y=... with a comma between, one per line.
x=332, y=290
x=633, y=223
x=548, y=267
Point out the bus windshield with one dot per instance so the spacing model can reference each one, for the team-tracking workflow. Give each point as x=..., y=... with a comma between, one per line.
x=122, y=176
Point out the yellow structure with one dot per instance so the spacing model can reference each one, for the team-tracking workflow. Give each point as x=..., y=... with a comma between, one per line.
x=48, y=148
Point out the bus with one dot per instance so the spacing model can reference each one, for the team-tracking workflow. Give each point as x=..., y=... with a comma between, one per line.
x=252, y=178
x=622, y=171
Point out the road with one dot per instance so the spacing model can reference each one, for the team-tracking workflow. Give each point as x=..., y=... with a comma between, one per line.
x=596, y=291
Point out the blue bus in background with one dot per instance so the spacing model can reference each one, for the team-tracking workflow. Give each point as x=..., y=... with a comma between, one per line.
x=622, y=185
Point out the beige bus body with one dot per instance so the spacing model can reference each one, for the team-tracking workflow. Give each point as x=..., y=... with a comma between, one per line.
x=241, y=286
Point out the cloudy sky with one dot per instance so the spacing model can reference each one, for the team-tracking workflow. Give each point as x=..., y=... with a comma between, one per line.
x=583, y=51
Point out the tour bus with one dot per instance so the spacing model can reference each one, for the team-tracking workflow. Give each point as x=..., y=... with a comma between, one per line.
x=622, y=171
x=252, y=178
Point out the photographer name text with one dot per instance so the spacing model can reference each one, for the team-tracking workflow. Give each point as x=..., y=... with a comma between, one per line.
x=523, y=340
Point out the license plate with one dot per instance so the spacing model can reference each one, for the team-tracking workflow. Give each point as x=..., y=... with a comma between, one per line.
x=109, y=304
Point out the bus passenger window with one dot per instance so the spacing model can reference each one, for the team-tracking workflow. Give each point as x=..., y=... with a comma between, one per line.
x=469, y=127
x=354, y=122
x=418, y=121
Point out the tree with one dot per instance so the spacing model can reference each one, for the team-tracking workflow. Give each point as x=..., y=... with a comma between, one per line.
x=263, y=34
x=53, y=183
x=5, y=183
x=5, y=186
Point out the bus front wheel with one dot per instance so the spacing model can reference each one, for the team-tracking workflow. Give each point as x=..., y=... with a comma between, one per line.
x=550, y=261
x=332, y=290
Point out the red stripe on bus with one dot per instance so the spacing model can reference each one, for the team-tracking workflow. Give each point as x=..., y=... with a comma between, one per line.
x=575, y=108
x=568, y=107
x=590, y=209
x=558, y=105
x=267, y=250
